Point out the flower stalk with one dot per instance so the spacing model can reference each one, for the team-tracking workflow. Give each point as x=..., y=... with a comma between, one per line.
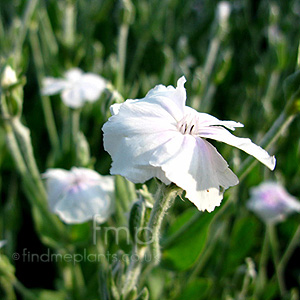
x=278, y=128
x=134, y=270
x=126, y=18
x=75, y=128
x=163, y=200
x=46, y=105
x=289, y=250
x=19, y=144
x=261, y=277
x=275, y=252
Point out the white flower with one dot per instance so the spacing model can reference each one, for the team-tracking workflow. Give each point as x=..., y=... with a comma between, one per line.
x=158, y=136
x=271, y=202
x=79, y=194
x=76, y=88
x=9, y=77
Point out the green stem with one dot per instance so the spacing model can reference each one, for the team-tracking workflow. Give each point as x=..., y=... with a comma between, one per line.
x=164, y=197
x=199, y=103
x=279, y=126
x=275, y=252
x=69, y=24
x=46, y=105
x=140, y=50
x=75, y=127
x=289, y=250
x=66, y=130
x=78, y=281
x=271, y=90
x=261, y=277
x=19, y=144
x=245, y=287
x=26, y=293
x=22, y=134
x=212, y=54
x=134, y=270
x=29, y=10
x=122, y=45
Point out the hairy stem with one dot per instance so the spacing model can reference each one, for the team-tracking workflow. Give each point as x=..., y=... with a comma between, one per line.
x=164, y=197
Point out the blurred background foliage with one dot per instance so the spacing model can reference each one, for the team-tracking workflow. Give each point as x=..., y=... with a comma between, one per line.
x=235, y=66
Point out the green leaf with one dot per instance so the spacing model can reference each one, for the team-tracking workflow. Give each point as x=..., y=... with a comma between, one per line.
x=6, y=268
x=80, y=233
x=144, y=294
x=243, y=239
x=196, y=289
x=291, y=87
x=49, y=295
x=186, y=239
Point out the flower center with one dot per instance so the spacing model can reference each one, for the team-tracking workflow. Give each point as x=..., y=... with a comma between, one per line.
x=188, y=124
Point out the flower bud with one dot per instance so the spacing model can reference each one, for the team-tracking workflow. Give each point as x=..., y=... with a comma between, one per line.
x=222, y=16
x=9, y=77
x=126, y=12
x=12, y=91
x=139, y=217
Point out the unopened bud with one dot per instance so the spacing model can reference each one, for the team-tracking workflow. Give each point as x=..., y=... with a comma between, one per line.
x=9, y=77
x=127, y=12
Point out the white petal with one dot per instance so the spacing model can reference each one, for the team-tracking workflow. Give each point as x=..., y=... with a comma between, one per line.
x=208, y=120
x=58, y=181
x=83, y=204
x=131, y=136
x=131, y=155
x=222, y=135
x=52, y=86
x=73, y=97
x=92, y=86
x=115, y=108
x=73, y=74
x=194, y=165
x=170, y=98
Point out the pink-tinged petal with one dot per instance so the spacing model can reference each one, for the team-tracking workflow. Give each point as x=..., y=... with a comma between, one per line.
x=272, y=203
x=79, y=194
x=52, y=86
x=222, y=135
x=194, y=165
x=83, y=204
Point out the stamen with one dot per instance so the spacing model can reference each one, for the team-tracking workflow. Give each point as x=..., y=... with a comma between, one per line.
x=188, y=124
x=192, y=128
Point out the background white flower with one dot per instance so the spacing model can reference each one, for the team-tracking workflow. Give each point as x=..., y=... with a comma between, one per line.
x=158, y=136
x=79, y=194
x=76, y=88
x=2, y=243
x=271, y=202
